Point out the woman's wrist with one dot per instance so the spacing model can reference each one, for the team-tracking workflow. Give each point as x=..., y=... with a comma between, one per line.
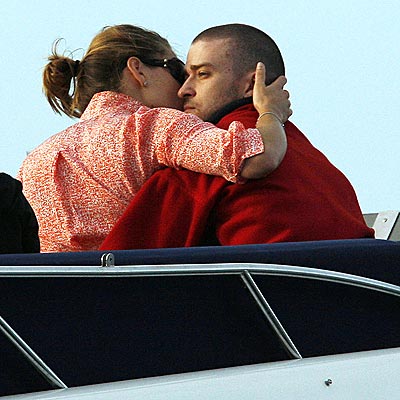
x=266, y=113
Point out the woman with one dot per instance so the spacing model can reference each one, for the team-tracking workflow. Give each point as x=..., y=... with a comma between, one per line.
x=80, y=180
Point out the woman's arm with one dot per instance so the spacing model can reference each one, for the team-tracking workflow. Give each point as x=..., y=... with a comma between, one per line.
x=185, y=141
x=273, y=105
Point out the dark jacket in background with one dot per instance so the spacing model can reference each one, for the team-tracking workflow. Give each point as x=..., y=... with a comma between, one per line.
x=18, y=225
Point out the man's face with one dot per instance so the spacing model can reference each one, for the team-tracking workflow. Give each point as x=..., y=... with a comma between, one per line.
x=211, y=82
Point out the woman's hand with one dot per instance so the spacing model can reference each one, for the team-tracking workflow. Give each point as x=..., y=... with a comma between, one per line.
x=272, y=98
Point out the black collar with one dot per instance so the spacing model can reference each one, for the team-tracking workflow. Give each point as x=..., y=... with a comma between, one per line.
x=228, y=108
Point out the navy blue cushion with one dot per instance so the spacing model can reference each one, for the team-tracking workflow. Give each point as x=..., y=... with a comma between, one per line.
x=377, y=259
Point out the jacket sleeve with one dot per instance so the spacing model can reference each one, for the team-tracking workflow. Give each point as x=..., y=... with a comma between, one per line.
x=182, y=140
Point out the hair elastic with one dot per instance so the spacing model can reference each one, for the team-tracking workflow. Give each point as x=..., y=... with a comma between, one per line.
x=76, y=67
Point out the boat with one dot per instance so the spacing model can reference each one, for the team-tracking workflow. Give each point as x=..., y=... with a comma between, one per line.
x=279, y=321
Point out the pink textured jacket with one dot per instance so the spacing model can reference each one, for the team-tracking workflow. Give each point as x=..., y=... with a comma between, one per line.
x=80, y=180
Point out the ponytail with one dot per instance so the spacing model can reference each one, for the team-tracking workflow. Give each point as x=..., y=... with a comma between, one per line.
x=58, y=77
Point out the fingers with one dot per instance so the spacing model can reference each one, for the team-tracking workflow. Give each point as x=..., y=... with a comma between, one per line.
x=272, y=97
x=260, y=75
x=279, y=82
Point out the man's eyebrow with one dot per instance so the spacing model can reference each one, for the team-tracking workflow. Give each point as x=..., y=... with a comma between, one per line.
x=195, y=67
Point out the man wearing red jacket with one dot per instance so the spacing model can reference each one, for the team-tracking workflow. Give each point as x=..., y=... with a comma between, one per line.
x=305, y=198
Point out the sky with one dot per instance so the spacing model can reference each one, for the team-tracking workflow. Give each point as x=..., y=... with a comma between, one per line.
x=342, y=64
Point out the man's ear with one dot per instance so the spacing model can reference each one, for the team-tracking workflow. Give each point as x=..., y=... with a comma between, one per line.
x=249, y=84
x=135, y=69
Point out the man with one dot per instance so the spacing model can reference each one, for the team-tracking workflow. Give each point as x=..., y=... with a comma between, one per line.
x=305, y=198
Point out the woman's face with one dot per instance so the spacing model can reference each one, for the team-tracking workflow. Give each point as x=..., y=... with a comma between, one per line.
x=163, y=87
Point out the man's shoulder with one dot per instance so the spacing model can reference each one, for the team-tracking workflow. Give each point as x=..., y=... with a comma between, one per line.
x=246, y=114
x=186, y=180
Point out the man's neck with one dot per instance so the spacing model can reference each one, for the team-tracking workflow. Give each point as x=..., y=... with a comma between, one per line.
x=218, y=115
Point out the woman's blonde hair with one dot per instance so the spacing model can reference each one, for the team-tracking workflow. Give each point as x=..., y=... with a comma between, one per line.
x=101, y=67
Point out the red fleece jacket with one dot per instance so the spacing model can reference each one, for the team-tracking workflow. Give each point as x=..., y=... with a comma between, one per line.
x=305, y=198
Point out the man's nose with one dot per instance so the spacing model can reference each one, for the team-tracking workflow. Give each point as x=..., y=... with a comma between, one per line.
x=186, y=90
